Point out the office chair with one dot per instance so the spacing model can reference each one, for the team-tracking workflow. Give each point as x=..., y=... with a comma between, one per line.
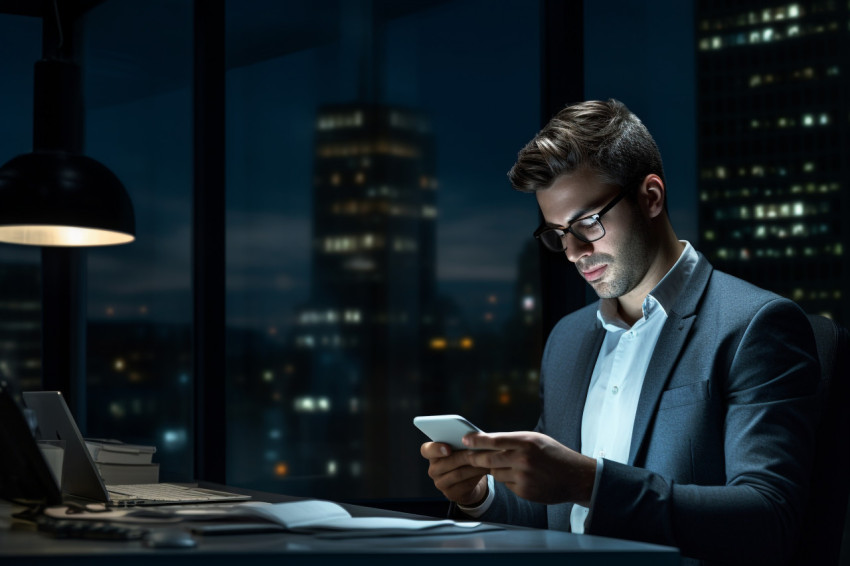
x=827, y=509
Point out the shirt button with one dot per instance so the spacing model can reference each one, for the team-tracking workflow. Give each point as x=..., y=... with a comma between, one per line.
x=615, y=390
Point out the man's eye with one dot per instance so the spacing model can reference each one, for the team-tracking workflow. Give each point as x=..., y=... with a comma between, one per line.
x=589, y=222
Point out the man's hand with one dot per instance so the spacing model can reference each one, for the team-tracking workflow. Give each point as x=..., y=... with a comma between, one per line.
x=452, y=474
x=533, y=465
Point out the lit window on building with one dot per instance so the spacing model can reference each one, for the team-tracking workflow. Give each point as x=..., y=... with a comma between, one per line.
x=174, y=439
x=352, y=316
x=310, y=404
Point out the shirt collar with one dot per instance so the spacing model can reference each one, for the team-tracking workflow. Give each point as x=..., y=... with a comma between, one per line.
x=663, y=295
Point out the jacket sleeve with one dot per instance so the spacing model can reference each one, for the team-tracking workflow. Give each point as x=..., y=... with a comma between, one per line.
x=768, y=423
x=509, y=509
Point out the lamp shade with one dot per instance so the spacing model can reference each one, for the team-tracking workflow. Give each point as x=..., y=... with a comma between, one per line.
x=57, y=198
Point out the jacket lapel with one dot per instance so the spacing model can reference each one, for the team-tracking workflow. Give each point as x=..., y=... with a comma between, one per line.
x=666, y=354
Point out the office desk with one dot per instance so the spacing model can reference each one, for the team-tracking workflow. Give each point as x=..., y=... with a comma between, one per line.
x=511, y=546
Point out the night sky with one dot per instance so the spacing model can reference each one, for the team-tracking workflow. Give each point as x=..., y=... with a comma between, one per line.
x=474, y=69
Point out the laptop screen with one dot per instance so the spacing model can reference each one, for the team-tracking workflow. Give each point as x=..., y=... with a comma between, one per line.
x=24, y=475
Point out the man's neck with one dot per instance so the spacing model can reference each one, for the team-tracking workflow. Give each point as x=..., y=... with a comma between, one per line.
x=630, y=305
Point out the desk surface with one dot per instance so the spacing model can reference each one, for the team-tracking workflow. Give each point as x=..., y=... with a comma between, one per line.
x=508, y=546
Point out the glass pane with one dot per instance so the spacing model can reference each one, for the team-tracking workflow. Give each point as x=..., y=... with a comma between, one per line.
x=138, y=72
x=379, y=264
x=20, y=275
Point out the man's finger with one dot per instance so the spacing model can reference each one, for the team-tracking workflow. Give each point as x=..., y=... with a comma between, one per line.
x=495, y=441
x=431, y=450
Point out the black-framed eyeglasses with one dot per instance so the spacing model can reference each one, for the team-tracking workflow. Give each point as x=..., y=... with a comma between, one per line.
x=587, y=229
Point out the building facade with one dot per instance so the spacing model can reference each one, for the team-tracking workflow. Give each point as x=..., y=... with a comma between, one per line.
x=773, y=111
x=373, y=289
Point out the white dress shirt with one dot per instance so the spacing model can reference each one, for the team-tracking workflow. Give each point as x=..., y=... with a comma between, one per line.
x=612, y=397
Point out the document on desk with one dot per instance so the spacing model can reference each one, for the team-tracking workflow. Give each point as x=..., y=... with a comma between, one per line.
x=313, y=514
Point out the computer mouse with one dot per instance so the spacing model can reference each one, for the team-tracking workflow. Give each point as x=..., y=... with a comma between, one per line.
x=169, y=538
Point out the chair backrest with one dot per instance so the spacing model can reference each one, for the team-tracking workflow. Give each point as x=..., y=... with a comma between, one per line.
x=825, y=520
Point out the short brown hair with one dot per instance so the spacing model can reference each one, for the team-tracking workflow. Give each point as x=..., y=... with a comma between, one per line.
x=603, y=136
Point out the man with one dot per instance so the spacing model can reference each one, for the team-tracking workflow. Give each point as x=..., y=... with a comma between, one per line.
x=678, y=409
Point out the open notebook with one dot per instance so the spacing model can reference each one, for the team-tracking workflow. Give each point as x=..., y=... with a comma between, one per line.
x=80, y=477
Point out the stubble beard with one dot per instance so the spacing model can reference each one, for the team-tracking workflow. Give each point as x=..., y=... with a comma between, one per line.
x=626, y=267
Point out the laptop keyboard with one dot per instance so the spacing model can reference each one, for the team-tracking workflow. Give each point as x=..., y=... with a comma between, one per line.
x=160, y=492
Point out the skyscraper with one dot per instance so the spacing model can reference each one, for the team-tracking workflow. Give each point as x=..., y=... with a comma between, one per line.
x=20, y=324
x=773, y=134
x=373, y=281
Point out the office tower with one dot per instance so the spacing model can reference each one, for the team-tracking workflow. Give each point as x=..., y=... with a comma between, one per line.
x=773, y=132
x=373, y=281
x=20, y=324
x=514, y=404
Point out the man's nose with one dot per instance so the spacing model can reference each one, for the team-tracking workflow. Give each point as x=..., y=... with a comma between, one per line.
x=576, y=249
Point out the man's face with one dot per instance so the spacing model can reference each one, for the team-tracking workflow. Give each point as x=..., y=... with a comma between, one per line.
x=615, y=264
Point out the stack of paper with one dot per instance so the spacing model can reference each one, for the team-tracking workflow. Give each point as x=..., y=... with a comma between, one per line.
x=121, y=464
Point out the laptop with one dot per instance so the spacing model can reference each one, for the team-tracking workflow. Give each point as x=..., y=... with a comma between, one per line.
x=80, y=477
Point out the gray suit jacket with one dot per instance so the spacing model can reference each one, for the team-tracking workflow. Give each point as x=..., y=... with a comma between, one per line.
x=723, y=435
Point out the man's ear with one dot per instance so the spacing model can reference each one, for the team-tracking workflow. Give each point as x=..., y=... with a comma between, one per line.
x=652, y=192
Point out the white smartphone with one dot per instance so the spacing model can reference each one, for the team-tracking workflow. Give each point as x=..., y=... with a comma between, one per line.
x=449, y=429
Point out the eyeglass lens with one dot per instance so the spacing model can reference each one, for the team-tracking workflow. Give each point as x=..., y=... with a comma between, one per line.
x=586, y=229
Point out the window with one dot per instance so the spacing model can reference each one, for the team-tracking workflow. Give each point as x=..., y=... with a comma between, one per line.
x=379, y=264
x=20, y=276
x=139, y=124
